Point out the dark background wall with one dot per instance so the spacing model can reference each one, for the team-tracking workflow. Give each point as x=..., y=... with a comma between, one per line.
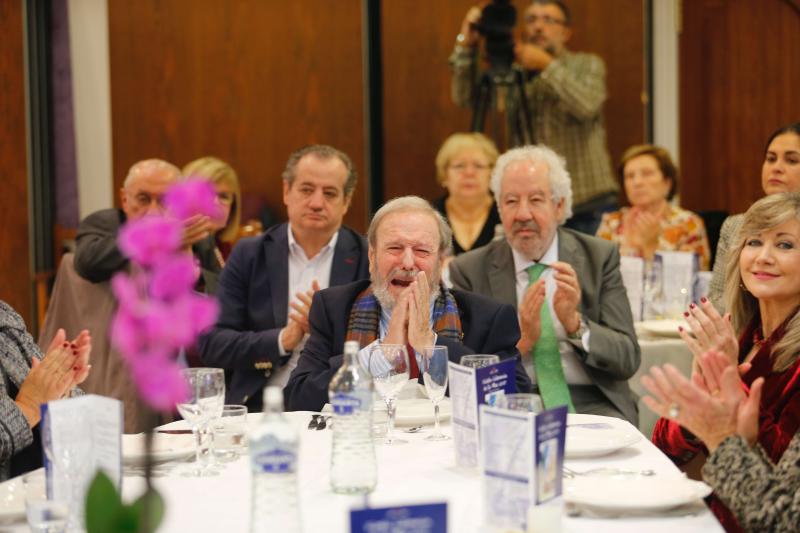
x=15, y=268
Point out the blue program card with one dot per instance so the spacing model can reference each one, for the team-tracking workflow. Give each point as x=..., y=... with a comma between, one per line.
x=494, y=380
x=428, y=518
x=549, y=440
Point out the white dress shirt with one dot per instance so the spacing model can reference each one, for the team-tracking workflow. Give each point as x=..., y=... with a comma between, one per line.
x=574, y=371
x=302, y=272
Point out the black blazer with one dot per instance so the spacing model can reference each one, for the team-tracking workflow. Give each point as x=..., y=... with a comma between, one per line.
x=489, y=327
x=253, y=295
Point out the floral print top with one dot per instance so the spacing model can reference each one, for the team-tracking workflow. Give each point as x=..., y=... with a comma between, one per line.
x=681, y=231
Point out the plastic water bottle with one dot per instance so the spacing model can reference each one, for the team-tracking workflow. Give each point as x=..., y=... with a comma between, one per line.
x=273, y=459
x=353, y=467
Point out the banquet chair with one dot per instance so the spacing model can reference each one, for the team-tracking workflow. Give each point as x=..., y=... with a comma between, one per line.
x=77, y=304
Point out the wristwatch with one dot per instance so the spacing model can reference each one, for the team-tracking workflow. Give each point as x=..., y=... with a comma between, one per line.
x=577, y=335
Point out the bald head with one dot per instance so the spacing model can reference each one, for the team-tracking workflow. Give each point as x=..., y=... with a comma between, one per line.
x=145, y=185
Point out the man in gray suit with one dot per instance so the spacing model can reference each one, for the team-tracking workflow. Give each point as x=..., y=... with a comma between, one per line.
x=574, y=316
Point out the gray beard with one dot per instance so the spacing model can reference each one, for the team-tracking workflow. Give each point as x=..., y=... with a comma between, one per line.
x=380, y=289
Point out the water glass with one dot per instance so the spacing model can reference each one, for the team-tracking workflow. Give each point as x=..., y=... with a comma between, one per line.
x=388, y=366
x=434, y=374
x=521, y=401
x=230, y=432
x=201, y=408
x=479, y=360
x=44, y=516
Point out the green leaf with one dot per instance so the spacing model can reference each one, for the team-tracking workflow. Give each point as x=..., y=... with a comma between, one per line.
x=153, y=503
x=103, y=505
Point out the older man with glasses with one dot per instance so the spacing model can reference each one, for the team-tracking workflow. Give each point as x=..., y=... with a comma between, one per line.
x=97, y=256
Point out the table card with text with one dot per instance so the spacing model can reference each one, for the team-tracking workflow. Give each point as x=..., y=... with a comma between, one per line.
x=633, y=272
x=81, y=435
x=427, y=518
x=522, y=462
x=469, y=388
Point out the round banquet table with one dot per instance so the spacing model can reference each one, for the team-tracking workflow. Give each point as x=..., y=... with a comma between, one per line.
x=418, y=472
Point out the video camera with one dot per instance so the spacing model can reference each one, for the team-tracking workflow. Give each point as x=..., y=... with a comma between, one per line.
x=496, y=25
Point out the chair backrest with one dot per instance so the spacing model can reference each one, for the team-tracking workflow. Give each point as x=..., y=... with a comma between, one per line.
x=77, y=304
x=713, y=221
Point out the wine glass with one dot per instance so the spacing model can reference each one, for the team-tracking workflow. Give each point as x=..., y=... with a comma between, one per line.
x=388, y=365
x=203, y=405
x=434, y=374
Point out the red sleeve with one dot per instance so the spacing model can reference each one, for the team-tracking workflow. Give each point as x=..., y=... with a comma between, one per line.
x=669, y=438
x=776, y=430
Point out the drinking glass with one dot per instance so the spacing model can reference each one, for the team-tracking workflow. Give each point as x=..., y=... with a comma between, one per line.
x=44, y=515
x=229, y=433
x=203, y=405
x=434, y=374
x=479, y=360
x=71, y=459
x=388, y=365
x=521, y=401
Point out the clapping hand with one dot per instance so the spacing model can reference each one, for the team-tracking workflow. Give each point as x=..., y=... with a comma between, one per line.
x=710, y=331
x=567, y=296
x=297, y=326
x=530, y=317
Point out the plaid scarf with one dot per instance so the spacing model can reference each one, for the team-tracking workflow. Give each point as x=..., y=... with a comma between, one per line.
x=365, y=316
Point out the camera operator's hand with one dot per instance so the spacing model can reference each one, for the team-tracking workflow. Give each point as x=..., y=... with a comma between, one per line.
x=532, y=57
x=471, y=35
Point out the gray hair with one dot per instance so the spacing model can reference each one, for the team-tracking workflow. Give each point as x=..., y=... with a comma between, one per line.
x=147, y=166
x=407, y=204
x=560, y=182
x=324, y=152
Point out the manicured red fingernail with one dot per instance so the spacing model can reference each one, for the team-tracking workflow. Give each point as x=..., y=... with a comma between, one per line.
x=75, y=368
x=691, y=306
x=686, y=314
x=65, y=345
x=680, y=328
x=75, y=353
x=704, y=299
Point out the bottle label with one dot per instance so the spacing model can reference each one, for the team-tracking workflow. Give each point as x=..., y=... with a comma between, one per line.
x=275, y=461
x=345, y=404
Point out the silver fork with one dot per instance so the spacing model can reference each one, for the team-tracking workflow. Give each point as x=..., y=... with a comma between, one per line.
x=569, y=473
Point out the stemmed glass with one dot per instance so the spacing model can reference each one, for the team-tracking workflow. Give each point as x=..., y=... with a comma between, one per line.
x=434, y=374
x=388, y=365
x=203, y=405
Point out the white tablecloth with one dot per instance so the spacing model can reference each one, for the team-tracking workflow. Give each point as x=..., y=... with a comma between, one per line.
x=657, y=352
x=417, y=472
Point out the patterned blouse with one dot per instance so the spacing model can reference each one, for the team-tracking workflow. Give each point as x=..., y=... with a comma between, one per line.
x=763, y=496
x=681, y=231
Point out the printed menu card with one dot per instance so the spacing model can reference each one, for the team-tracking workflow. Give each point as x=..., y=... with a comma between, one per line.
x=522, y=461
x=469, y=388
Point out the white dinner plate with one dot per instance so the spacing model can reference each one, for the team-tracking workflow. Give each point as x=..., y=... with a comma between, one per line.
x=663, y=328
x=165, y=448
x=12, y=501
x=594, y=436
x=649, y=493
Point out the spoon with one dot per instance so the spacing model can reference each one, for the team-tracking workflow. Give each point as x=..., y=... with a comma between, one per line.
x=608, y=472
x=415, y=429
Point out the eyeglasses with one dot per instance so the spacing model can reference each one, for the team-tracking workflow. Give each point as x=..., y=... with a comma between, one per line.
x=547, y=20
x=461, y=167
x=144, y=200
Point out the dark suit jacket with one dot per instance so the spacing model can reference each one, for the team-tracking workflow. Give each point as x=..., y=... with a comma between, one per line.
x=488, y=327
x=253, y=294
x=97, y=256
x=614, y=354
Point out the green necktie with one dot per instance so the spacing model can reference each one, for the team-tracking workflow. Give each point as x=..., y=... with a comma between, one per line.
x=546, y=357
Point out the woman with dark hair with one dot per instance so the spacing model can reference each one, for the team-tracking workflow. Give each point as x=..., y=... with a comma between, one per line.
x=27, y=380
x=651, y=223
x=763, y=295
x=779, y=173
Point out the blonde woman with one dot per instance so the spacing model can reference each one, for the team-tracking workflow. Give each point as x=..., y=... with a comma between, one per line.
x=226, y=183
x=463, y=167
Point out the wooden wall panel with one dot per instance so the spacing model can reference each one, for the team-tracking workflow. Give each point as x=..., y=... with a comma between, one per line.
x=418, y=37
x=738, y=82
x=248, y=80
x=15, y=268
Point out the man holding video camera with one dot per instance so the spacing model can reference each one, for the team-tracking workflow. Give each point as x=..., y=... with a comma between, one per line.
x=565, y=93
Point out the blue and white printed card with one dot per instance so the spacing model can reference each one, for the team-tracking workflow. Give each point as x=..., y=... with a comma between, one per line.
x=427, y=518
